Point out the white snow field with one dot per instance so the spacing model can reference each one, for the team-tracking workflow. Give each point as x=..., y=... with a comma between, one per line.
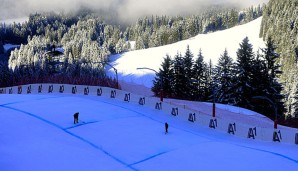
x=212, y=45
x=37, y=133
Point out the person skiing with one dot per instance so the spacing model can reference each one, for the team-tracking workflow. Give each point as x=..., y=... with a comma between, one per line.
x=76, y=118
x=166, y=127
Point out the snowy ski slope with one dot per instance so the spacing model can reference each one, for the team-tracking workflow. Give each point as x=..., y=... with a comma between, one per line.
x=37, y=133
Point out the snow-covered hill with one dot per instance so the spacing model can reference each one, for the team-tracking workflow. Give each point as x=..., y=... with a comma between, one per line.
x=212, y=45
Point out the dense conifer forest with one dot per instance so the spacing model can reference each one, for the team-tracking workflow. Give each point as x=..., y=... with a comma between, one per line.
x=280, y=22
x=230, y=82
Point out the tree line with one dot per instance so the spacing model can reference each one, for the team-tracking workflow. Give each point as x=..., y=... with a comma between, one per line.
x=159, y=30
x=162, y=30
x=230, y=82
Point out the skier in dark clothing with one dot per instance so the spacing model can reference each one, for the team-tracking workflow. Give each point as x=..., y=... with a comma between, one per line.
x=166, y=127
x=76, y=118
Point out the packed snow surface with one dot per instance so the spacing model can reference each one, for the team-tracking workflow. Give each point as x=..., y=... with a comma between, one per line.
x=37, y=133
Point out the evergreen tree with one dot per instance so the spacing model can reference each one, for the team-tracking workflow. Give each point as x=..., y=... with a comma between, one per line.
x=188, y=66
x=199, y=76
x=140, y=43
x=260, y=74
x=233, y=18
x=242, y=88
x=165, y=75
x=5, y=75
x=1, y=47
x=273, y=88
x=210, y=87
x=224, y=78
x=260, y=84
x=121, y=46
x=180, y=79
x=271, y=57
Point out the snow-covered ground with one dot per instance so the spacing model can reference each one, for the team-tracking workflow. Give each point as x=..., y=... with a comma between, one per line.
x=212, y=45
x=37, y=133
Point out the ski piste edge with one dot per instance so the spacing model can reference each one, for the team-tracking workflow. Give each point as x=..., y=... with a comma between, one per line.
x=81, y=123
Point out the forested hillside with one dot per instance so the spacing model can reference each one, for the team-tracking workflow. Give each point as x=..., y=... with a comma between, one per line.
x=86, y=40
x=280, y=22
x=162, y=30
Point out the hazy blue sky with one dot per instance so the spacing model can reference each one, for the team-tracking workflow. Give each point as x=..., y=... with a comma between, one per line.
x=124, y=8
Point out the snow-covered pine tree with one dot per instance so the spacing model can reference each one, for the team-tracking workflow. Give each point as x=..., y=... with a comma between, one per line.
x=233, y=18
x=165, y=75
x=120, y=46
x=224, y=78
x=140, y=43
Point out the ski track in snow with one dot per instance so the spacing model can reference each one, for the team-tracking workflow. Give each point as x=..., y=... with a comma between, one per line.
x=81, y=124
x=72, y=134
